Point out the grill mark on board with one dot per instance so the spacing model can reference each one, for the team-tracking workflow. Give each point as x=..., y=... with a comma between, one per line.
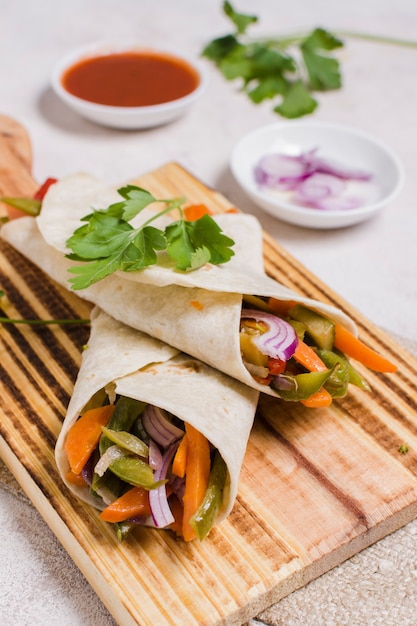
x=57, y=390
x=20, y=398
x=45, y=291
x=392, y=388
x=348, y=503
x=57, y=352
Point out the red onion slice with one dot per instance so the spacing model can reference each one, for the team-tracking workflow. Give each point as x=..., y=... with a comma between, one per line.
x=279, y=341
x=316, y=182
x=318, y=186
x=159, y=428
x=111, y=454
x=281, y=171
x=161, y=512
x=155, y=455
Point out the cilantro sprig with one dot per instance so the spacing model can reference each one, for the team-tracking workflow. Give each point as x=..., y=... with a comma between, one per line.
x=107, y=242
x=290, y=69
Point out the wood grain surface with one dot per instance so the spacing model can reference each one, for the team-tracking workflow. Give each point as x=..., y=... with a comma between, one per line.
x=317, y=485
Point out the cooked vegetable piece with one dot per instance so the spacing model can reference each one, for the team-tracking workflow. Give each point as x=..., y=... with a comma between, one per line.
x=280, y=307
x=134, y=471
x=331, y=358
x=308, y=358
x=123, y=529
x=319, y=399
x=41, y=192
x=125, y=414
x=84, y=436
x=204, y=518
x=338, y=381
x=75, y=479
x=353, y=347
x=319, y=328
x=127, y=441
x=193, y=212
x=276, y=366
x=196, y=477
x=298, y=387
x=180, y=459
x=250, y=352
x=132, y=503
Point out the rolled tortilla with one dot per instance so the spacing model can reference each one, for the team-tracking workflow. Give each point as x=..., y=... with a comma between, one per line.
x=197, y=312
x=132, y=364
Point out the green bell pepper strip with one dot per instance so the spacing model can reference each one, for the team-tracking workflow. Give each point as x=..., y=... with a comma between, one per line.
x=125, y=414
x=333, y=357
x=28, y=205
x=338, y=382
x=122, y=529
x=299, y=386
x=205, y=516
x=134, y=471
x=127, y=441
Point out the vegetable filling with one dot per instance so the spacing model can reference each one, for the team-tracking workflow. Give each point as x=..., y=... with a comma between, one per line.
x=300, y=353
x=146, y=467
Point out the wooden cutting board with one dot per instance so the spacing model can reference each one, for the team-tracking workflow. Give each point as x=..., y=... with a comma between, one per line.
x=317, y=486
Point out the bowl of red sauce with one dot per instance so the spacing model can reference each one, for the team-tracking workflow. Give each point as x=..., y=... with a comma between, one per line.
x=128, y=86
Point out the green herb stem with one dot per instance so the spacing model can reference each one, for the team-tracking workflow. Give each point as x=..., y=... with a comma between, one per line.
x=175, y=203
x=379, y=39
x=295, y=38
x=63, y=322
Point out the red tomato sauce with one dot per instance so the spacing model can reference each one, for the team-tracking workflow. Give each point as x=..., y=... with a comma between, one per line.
x=131, y=79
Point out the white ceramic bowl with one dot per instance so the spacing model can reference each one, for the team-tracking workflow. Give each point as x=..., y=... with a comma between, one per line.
x=120, y=116
x=340, y=143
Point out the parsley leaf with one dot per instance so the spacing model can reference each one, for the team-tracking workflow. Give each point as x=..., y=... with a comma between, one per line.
x=296, y=102
x=323, y=71
x=240, y=20
x=106, y=242
x=197, y=242
x=289, y=68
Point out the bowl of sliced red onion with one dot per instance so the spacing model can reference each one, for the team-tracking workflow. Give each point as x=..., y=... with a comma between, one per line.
x=316, y=174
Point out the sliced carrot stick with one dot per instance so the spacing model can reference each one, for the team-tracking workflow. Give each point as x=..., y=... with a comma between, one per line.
x=84, y=435
x=281, y=307
x=196, y=477
x=180, y=458
x=195, y=211
x=319, y=399
x=75, y=479
x=353, y=347
x=306, y=356
x=133, y=502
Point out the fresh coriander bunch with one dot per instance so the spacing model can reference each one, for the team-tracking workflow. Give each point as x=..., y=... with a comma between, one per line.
x=107, y=242
x=290, y=68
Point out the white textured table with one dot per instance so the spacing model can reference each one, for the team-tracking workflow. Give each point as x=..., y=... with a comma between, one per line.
x=373, y=265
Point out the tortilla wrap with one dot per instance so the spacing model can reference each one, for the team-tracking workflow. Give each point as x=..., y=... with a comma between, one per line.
x=137, y=366
x=197, y=312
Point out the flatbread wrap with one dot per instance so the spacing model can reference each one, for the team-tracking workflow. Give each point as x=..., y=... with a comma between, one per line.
x=233, y=316
x=135, y=402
